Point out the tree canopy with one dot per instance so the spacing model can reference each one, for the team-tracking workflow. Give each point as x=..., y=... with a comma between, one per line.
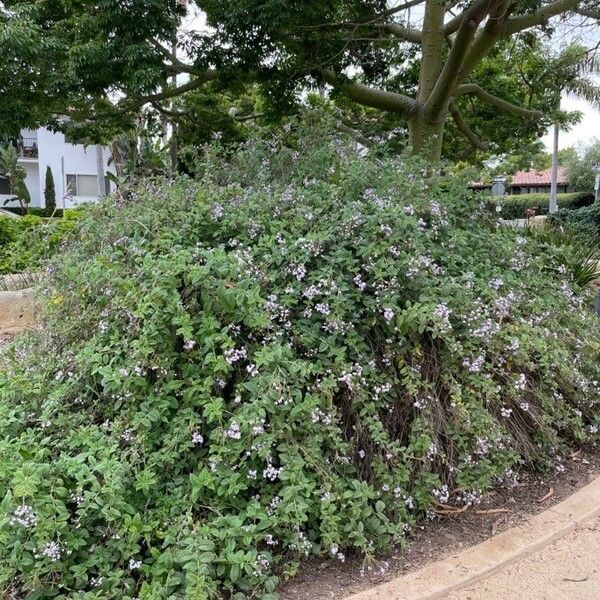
x=580, y=166
x=421, y=63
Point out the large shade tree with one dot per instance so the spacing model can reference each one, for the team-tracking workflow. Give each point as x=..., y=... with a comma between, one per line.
x=100, y=61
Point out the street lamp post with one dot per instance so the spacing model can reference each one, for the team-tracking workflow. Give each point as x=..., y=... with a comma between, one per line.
x=498, y=190
x=596, y=169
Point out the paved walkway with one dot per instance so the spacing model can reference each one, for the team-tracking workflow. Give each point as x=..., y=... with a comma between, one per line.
x=568, y=569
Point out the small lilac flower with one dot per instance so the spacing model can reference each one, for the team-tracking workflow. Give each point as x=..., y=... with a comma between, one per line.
x=52, y=551
x=25, y=516
x=233, y=431
x=388, y=314
x=128, y=436
x=233, y=355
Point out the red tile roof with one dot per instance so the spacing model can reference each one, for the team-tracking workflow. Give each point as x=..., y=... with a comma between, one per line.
x=533, y=178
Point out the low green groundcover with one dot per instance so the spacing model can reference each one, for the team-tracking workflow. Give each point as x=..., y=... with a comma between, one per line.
x=300, y=354
x=26, y=242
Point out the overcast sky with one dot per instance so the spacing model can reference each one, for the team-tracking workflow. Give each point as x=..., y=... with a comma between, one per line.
x=582, y=133
x=589, y=126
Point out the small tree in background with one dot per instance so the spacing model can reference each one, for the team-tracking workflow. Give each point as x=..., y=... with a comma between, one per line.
x=16, y=174
x=49, y=193
x=579, y=167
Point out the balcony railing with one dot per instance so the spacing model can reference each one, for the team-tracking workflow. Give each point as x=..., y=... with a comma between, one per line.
x=27, y=148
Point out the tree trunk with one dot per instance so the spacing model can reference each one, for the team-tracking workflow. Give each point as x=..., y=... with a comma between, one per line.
x=554, y=178
x=426, y=138
x=100, y=171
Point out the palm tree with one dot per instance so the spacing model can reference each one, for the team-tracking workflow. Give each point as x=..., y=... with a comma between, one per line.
x=16, y=174
x=581, y=84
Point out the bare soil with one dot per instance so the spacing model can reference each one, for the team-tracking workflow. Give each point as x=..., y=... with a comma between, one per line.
x=446, y=534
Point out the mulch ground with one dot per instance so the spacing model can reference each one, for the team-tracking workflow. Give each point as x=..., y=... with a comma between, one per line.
x=4, y=339
x=447, y=534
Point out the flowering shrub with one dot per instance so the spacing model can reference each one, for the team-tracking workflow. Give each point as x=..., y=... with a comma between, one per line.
x=299, y=355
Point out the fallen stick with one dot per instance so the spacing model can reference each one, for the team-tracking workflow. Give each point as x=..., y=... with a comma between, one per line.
x=548, y=495
x=451, y=510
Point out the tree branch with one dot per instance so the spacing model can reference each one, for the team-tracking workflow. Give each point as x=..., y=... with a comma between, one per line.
x=373, y=97
x=250, y=117
x=357, y=135
x=453, y=24
x=589, y=12
x=485, y=39
x=404, y=33
x=539, y=17
x=452, y=69
x=170, y=113
x=193, y=84
x=503, y=105
x=176, y=65
x=368, y=21
x=466, y=130
x=432, y=48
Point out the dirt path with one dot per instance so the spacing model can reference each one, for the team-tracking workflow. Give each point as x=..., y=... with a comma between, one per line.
x=569, y=569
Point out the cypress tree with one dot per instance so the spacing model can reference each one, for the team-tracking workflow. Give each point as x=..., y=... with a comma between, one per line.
x=49, y=193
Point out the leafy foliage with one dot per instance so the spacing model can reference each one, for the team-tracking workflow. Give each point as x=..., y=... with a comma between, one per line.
x=31, y=240
x=78, y=54
x=8, y=231
x=579, y=253
x=579, y=168
x=585, y=220
x=299, y=355
x=16, y=174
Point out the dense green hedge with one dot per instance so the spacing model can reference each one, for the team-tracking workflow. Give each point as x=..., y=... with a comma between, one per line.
x=300, y=354
x=34, y=210
x=515, y=206
x=585, y=220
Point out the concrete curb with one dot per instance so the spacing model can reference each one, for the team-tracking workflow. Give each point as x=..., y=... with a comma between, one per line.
x=439, y=579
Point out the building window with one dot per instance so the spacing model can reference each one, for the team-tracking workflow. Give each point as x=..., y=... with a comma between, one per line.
x=4, y=186
x=71, y=139
x=85, y=186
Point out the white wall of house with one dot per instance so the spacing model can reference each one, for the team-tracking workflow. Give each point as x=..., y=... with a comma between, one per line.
x=64, y=159
x=32, y=181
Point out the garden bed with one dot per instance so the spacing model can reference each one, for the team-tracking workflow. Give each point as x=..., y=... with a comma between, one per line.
x=271, y=365
x=446, y=534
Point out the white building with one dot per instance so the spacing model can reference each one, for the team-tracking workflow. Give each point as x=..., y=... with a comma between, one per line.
x=75, y=169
